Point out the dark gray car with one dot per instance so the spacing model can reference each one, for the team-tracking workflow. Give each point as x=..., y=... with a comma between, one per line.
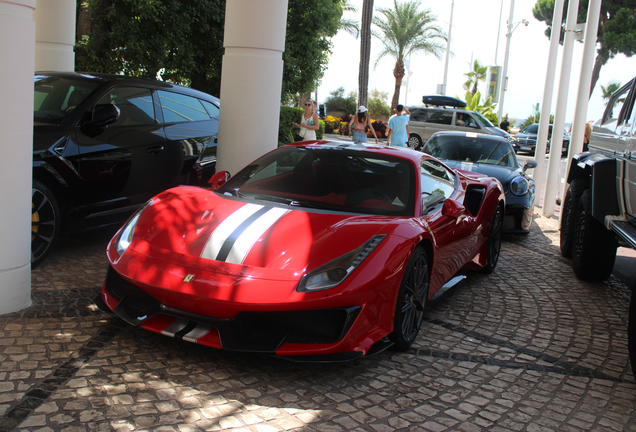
x=526, y=140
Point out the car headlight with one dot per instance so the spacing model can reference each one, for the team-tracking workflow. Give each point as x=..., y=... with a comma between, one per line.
x=333, y=273
x=125, y=236
x=519, y=186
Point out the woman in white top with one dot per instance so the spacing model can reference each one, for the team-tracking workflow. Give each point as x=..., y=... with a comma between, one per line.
x=309, y=123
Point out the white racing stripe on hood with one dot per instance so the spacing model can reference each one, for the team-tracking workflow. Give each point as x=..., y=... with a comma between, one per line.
x=244, y=243
x=232, y=240
x=227, y=227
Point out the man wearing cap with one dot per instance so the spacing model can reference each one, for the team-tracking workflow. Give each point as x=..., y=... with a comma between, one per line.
x=362, y=122
x=398, y=127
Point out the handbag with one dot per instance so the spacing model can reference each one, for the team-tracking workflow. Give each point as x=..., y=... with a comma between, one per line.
x=298, y=137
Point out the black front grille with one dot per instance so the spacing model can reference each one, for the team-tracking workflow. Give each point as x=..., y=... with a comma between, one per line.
x=134, y=303
x=309, y=326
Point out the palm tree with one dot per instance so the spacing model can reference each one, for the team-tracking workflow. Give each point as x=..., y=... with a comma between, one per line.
x=350, y=26
x=365, y=53
x=475, y=76
x=609, y=91
x=406, y=30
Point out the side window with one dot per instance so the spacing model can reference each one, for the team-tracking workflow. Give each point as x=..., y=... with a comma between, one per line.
x=470, y=121
x=418, y=114
x=438, y=183
x=213, y=110
x=178, y=108
x=614, y=108
x=440, y=117
x=135, y=106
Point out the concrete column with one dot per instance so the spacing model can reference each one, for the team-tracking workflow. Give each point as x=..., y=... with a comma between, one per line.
x=55, y=35
x=546, y=103
x=504, y=75
x=251, y=81
x=585, y=80
x=556, y=142
x=17, y=42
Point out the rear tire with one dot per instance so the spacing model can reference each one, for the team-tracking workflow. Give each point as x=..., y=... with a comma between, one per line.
x=45, y=223
x=568, y=214
x=631, y=331
x=415, y=142
x=411, y=300
x=593, y=246
x=494, y=241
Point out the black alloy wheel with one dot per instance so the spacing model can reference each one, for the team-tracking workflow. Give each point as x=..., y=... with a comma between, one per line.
x=411, y=300
x=415, y=142
x=568, y=214
x=45, y=223
x=494, y=241
x=593, y=246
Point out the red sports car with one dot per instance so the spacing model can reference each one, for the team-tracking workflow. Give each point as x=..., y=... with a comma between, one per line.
x=319, y=250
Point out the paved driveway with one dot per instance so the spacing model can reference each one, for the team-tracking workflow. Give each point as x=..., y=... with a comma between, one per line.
x=529, y=347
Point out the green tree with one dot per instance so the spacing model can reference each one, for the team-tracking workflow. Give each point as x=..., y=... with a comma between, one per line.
x=609, y=91
x=616, y=33
x=378, y=104
x=406, y=30
x=475, y=76
x=337, y=101
x=486, y=109
x=182, y=41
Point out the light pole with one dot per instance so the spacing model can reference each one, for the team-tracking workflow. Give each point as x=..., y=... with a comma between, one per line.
x=504, y=76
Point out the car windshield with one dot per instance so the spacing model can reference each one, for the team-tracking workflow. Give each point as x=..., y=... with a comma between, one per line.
x=471, y=149
x=56, y=97
x=483, y=119
x=329, y=178
x=531, y=129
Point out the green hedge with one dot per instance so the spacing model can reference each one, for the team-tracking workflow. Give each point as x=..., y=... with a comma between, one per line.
x=287, y=132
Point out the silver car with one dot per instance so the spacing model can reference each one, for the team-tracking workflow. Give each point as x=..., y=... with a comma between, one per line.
x=425, y=121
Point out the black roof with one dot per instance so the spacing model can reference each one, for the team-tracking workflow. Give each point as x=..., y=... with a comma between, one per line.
x=124, y=79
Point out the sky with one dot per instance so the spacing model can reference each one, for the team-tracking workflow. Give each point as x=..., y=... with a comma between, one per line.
x=474, y=37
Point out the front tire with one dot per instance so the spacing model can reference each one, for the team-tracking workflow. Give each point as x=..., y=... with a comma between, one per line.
x=45, y=223
x=411, y=300
x=415, y=142
x=494, y=241
x=568, y=215
x=593, y=246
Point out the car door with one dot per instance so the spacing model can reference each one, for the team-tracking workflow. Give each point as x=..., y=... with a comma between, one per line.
x=628, y=135
x=191, y=128
x=606, y=134
x=123, y=164
x=438, y=120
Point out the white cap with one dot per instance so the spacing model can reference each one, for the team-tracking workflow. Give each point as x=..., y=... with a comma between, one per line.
x=362, y=108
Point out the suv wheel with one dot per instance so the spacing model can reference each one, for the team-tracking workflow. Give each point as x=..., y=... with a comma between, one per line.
x=415, y=142
x=593, y=247
x=45, y=223
x=568, y=214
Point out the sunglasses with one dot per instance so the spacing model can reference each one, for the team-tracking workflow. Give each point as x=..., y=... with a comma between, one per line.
x=307, y=104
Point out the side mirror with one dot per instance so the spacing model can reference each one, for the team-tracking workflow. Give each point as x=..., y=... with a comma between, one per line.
x=452, y=208
x=103, y=115
x=219, y=179
x=529, y=165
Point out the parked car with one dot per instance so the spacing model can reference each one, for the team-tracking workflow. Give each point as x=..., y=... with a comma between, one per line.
x=442, y=114
x=326, y=249
x=526, y=140
x=493, y=156
x=104, y=144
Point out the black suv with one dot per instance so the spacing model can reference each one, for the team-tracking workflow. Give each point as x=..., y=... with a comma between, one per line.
x=104, y=144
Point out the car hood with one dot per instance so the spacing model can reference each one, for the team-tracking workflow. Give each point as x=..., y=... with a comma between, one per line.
x=501, y=173
x=196, y=226
x=497, y=131
x=526, y=136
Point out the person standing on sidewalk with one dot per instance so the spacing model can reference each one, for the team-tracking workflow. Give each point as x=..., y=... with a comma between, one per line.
x=362, y=123
x=398, y=127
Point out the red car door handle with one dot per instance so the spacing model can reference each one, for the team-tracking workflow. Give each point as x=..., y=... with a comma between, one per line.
x=155, y=149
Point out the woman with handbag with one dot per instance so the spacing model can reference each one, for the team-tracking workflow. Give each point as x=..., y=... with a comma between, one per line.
x=308, y=123
x=362, y=123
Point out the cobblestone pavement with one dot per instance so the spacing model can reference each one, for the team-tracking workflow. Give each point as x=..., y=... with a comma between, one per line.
x=528, y=348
